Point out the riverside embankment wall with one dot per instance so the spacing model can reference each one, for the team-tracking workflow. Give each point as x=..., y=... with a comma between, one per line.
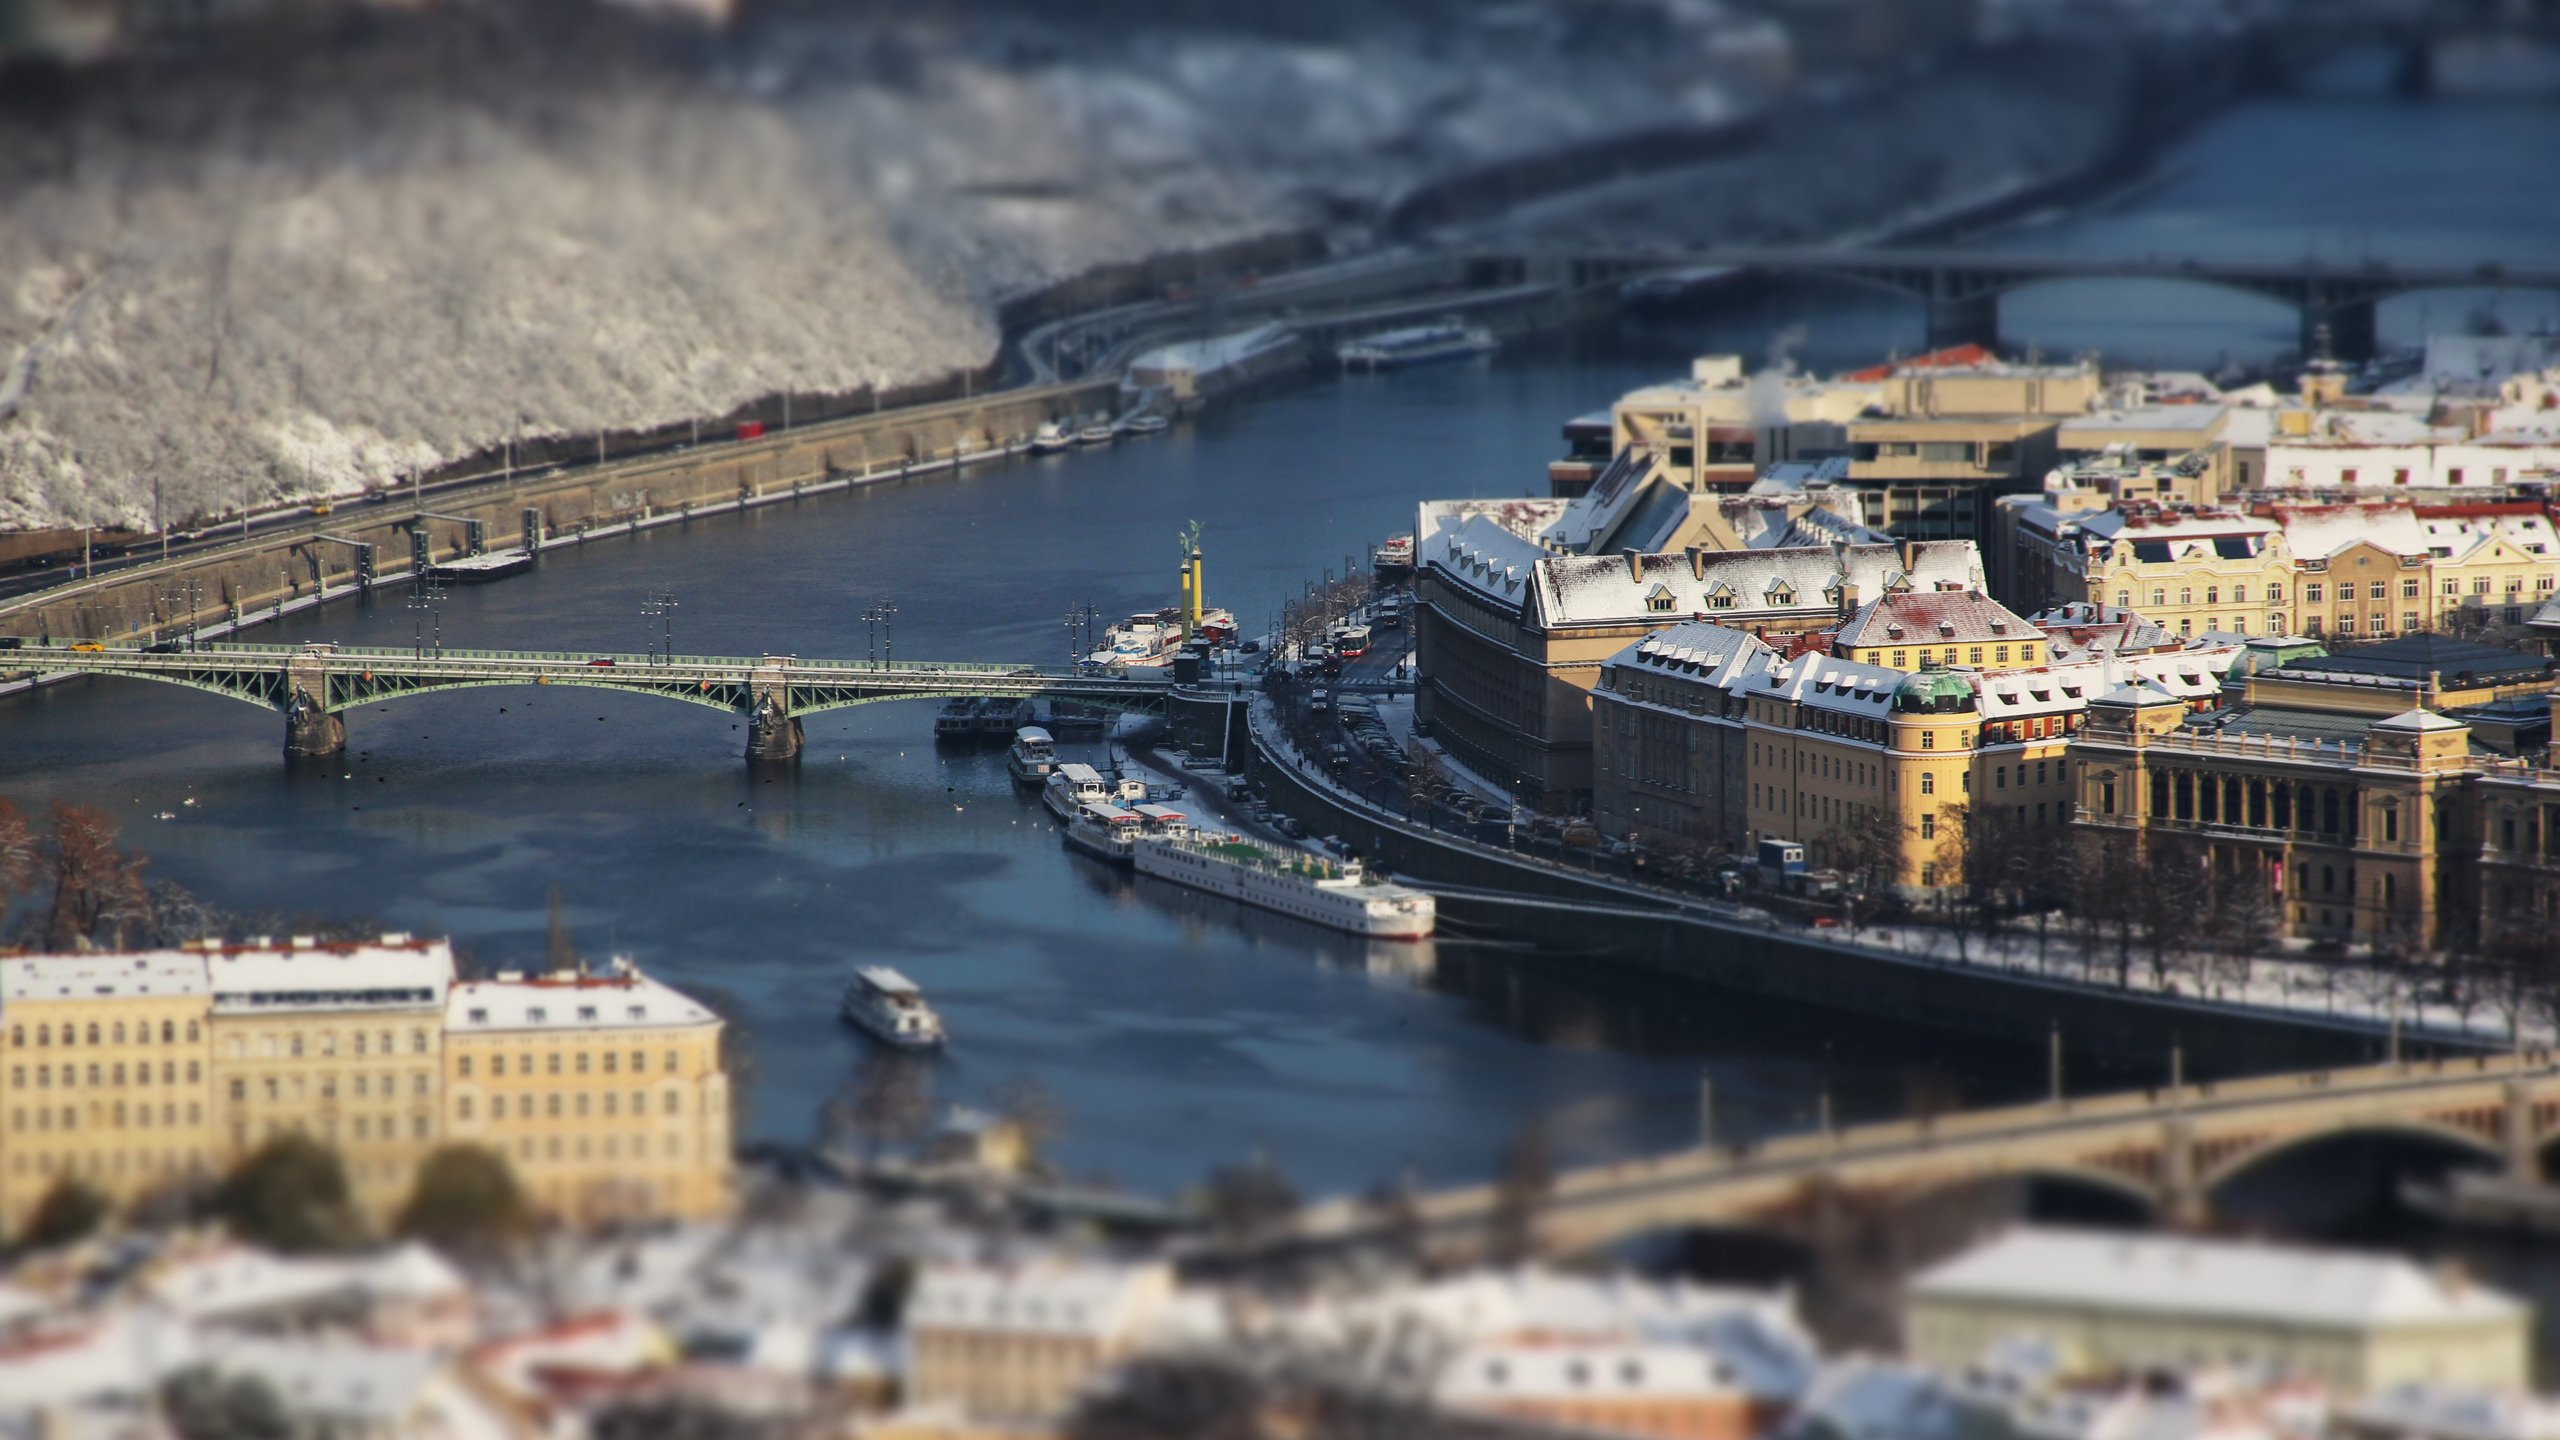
x=294, y=563
x=1580, y=920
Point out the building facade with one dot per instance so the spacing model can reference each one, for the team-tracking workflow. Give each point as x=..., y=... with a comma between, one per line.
x=2355, y=784
x=1509, y=637
x=1718, y=739
x=134, y=1072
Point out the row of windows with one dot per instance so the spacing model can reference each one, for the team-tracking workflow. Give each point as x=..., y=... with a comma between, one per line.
x=106, y=1033
x=102, y=1165
x=299, y=1044
x=104, y=1076
x=586, y=1147
x=551, y=1105
x=524, y=1064
x=67, y=1117
x=297, y=1087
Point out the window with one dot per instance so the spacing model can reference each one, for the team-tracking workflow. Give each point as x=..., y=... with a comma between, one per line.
x=2213, y=594
x=2159, y=596
x=2479, y=586
x=2453, y=476
x=463, y=1067
x=1928, y=739
x=2409, y=588
x=2275, y=594
x=1928, y=783
x=2311, y=593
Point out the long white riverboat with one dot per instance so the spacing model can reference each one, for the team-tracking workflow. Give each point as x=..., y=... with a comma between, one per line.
x=892, y=1008
x=1337, y=894
x=1072, y=785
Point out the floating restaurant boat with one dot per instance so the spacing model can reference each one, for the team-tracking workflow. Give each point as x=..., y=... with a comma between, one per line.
x=1416, y=345
x=1340, y=895
x=1074, y=785
x=1110, y=833
x=1393, y=558
x=891, y=1008
x=981, y=719
x=1031, y=757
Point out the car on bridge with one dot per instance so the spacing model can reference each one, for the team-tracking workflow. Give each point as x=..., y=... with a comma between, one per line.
x=600, y=663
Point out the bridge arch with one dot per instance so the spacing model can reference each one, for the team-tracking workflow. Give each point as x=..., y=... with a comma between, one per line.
x=2454, y=1138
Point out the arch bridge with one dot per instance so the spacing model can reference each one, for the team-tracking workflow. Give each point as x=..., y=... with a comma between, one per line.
x=313, y=685
x=2167, y=1149
x=1962, y=288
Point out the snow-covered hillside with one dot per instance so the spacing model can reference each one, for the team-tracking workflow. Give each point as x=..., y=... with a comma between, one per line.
x=311, y=266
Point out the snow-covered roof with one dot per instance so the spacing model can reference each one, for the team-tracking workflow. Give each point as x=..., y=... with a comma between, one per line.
x=1933, y=617
x=1053, y=1296
x=309, y=975
x=2317, y=532
x=238, y=1279
x=2228, y=1280
x=620, y=998
x=1612, y=590
x=1592, y=1372
x=88, y=977
x=333, y=1379
x=2194, y=419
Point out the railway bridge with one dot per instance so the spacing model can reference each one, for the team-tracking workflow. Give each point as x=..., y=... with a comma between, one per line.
x=313, y=685
x=2335, y=299
x=2166, y=1148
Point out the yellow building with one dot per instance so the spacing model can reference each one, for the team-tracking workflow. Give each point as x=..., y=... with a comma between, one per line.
x=105, y=1080
x=2353, y=782
x=2194, y=571
x=1509, y=636
x=2370, y=571
x=605, y=1090
x=1718, y=739
x=339, y=1042
x=133, y=1071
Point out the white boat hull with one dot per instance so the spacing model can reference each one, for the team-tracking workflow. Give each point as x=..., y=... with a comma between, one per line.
x=1336, y=906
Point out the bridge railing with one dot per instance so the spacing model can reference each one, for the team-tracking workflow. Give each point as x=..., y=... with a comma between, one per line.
x=452, y=655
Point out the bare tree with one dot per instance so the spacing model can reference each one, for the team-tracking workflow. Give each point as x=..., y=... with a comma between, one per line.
x=21, y=855
x=1032, y=1109
x=93, y=881
x=888, y=1101
x=1870, y=860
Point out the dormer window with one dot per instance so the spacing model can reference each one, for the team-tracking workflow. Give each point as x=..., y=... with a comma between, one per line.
x=1660, y=600
x=1782, y=594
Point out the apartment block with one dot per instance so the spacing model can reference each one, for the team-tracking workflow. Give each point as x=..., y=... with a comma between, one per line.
x=134, y=1072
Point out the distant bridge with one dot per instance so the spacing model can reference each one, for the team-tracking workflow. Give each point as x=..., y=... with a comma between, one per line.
x=311, y=685
x=1962, y=288
x=2167, y=1149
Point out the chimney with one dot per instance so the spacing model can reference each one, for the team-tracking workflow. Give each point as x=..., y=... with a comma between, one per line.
x=1635, y=563
x=1909, y=550
x=1848, y=597
x=1697, y=563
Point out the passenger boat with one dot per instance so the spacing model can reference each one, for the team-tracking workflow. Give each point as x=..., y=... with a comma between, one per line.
x=1416, y=345
x=1097, y=433
x=1110, y=832
x=1340, y=895
x=1074, y=785
x=891, y=1008
x=1147, y=638
x=1032, y=756
x=1394, y=557
x=1051, y=437
x=1145, y=422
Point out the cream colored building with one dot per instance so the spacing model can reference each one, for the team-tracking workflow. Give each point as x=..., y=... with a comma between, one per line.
x=2371, y=570
x=1718, y=739
x=1021, y=1341
x=1510, y=635
x=105, y=1080
x=2115, y=1302
x=133, y=1071
x=2194, y=571
x=1718, y=429
x=605, y=1090
x=338, y=1042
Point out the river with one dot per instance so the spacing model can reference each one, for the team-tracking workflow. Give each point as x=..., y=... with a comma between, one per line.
x=1174, y=1035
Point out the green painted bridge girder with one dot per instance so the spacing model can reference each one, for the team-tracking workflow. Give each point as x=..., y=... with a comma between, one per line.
x=357, y=677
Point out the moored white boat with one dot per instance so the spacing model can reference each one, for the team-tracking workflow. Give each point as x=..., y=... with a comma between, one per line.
x=891, y=1008
x=1097, y=433
x=1340, y=895
x=1031, y=757
x=1110, y=832
x=1051, y=437
x=1145, y=422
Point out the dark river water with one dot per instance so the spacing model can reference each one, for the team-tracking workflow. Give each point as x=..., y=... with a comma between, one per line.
x=1173, y=1033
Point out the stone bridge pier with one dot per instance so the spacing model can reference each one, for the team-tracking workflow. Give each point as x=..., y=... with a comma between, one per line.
x=310, y=730
x=773, y=732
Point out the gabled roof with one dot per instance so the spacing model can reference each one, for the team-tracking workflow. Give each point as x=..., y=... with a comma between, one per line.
x=1934, y=618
